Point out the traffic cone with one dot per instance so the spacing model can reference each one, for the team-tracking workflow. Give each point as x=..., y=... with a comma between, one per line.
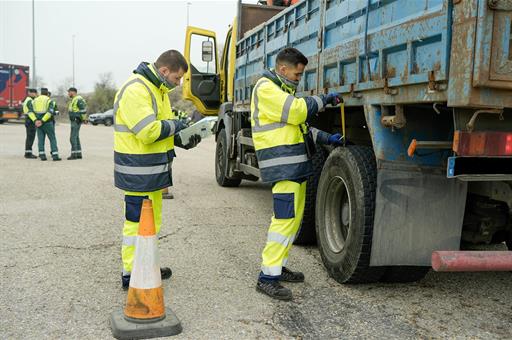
x=145, y=315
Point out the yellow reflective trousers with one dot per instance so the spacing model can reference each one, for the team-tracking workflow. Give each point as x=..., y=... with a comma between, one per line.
x=133, y=205
x=289, y=199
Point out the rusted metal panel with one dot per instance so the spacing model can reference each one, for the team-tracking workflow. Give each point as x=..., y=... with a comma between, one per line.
x=253, y=15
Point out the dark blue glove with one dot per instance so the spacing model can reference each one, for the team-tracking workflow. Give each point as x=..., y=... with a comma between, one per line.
x=333, y=98
x=335, y=140
x=179, y=125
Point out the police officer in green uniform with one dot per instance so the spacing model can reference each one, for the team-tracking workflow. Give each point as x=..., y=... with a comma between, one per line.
x=55, y=108
x=41, y=111
x=77, y=115
x=30, y=128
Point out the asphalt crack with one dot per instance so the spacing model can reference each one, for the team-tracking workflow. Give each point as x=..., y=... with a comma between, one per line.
x=91, y=247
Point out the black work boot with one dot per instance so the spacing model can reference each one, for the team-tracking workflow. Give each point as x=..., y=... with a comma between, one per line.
x=274, y=289
x=30, y=155
x=79, y=156
x=165, y=273
x=42, y=157
x=289, y=276
x=56, y=158
x=72, y=157
x=167, y=196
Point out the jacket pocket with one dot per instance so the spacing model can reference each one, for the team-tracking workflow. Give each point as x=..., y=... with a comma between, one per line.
x=284, y=206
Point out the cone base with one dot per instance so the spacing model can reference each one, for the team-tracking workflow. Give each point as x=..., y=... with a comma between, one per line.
x=124, y=329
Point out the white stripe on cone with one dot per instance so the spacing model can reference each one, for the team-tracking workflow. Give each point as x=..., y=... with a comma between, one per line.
x=146, y=265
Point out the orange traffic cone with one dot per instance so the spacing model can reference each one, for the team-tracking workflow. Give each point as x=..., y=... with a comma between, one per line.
x=145, y=315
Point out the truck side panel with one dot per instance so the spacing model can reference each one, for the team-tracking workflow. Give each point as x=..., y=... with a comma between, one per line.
x=397, y=43
x=5, y=88
x=13, y=86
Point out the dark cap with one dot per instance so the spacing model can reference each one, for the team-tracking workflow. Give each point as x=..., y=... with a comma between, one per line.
x=32, y=90
x=44, y=91
x=72, y=89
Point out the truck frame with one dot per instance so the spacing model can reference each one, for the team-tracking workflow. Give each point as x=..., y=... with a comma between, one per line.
x=427, y=119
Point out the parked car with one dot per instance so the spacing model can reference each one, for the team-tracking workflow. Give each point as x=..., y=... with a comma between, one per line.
x=106, y=118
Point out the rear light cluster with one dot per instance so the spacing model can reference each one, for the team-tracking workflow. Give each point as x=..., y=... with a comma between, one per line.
x=488, y=143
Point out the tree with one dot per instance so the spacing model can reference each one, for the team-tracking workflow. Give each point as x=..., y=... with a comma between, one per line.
x=62, y=90
x=102, y=99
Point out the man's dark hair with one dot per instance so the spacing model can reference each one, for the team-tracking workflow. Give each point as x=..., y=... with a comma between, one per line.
x=291, y=56
x=32, y=91
x=72, y=89
x=44, y=91
x=173, y=60
x=49, y=93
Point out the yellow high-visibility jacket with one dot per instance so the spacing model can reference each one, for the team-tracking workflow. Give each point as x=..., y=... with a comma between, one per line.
x=278, y=121
x=41, y=108
x=144, y=128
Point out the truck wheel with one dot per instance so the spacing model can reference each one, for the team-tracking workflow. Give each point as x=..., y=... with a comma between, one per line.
x=345, y=208
x=221, y=163
x=307, y=234
x=402, y=274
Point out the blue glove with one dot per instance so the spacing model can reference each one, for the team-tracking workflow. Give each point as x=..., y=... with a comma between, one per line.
x=335, y=140
x=333, y=98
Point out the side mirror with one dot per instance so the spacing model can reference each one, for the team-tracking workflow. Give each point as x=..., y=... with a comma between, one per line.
x=207, y=51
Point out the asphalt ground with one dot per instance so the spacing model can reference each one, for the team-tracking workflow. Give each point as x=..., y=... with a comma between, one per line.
x=60, y=225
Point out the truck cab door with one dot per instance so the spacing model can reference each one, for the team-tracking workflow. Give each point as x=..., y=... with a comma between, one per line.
x=202, y=82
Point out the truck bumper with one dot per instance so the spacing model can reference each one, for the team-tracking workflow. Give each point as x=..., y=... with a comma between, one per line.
x=471, y=261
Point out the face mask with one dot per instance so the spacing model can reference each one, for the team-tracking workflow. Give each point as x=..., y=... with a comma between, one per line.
x=166, y=85
x=287, y=83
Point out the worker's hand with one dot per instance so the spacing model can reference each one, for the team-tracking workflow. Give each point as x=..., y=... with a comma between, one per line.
x=335, y=140
x=38, y=123
x=186, y=120
x=192, y=142
x=333, y=98
x=179, y=125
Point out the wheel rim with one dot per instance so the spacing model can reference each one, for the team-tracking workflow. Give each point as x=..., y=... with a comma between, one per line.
x=338, y=214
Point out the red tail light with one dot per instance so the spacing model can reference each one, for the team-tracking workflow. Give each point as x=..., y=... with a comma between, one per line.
x=482, y=143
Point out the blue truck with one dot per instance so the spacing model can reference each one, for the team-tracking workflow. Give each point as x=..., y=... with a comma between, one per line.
x=427, y=119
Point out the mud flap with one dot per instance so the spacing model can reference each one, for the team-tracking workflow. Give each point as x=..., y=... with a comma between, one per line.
x=417, y=212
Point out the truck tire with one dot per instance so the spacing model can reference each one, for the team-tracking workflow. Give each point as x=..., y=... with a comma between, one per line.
x=221, y=162
x=307, y=234
x=108, y=122
x=345, y=208
x=402, y=274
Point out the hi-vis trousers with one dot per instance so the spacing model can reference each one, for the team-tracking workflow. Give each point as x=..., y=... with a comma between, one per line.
x=289, y=199
x=133, y=205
